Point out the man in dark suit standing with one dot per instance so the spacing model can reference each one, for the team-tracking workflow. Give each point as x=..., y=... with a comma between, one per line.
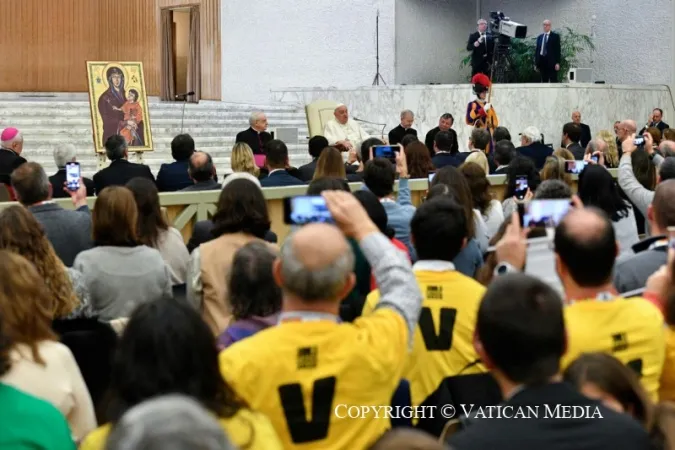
x=277, y=163
x=256, y=137
x=520, y=336
x=316, y=146
x=656, y=120
x=444, y=124
x=65, y=153
x=68, y=231
x=585, y=129
x=11, y=146
x=174, y=176
x=120, y=171
x=405, y=127
x=547, y=54
x=481, y=45
x=202, y=172
x=571, y=135
x=531, y=146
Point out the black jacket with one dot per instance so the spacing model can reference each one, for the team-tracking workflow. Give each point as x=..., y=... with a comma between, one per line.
x=586, y=135
x=208, y=185
x=577, y=150
x=661, y=126
x=549, y=430
x=254, y=140
x=481, y=53
x=306, y=171
x=552, y=51
x=118, y=173
x=8, y=162
x=201, y=233
x=59, y=178
x=396, y=135
x=537, y=152
x=281, y=178
x=174, y=176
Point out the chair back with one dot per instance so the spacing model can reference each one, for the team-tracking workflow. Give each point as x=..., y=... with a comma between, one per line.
x=319, y=113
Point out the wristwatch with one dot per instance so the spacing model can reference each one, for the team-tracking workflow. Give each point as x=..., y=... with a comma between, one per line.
x=504, y=268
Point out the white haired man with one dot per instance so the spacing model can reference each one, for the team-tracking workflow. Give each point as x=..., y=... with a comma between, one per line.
x=532, y=146
x=65, y=153
x=11, y=146
x=343, y=132
x=256, y=136
x=405, y=127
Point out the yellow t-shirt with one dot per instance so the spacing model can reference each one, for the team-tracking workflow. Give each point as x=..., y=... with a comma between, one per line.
x=443, y=342
x=247, y=430
x=667, y=389
x=304, y=375
x=631, y=330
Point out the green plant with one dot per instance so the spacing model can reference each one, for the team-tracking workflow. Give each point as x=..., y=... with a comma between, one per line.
x=572, y=45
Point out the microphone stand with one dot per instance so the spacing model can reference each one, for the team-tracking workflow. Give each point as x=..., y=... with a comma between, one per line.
x=182, y=118
x=384, y=125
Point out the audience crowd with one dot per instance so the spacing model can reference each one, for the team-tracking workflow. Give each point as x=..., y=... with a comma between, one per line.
x=453, y=322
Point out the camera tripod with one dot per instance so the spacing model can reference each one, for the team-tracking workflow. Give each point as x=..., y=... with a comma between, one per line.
x=502, y=69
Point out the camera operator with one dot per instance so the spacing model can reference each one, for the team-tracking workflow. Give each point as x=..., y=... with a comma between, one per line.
x=481, y=45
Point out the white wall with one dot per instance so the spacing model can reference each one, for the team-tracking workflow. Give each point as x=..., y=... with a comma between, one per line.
x=431, y=40
x=633, y=38
x=270, y=44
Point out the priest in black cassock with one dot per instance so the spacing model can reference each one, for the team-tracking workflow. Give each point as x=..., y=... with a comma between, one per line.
x=256, y=137
x=396, y=135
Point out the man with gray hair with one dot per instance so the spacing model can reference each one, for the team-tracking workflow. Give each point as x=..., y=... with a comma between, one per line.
x=405, y=127
x=68, y=231
x=532, y=146
x=256, y=135
x=120, y=170
x=172, y=422
x=343, y=132
x=65, y=153
x=312, y=358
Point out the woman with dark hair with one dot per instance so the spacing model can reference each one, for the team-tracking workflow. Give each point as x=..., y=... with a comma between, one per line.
x=154, y=231
x=598, y=188
x=449, y=181
x=489, y=208
x=41, y=366
x=166, y=348
x=20, y=412
x=241, y=217
x=418, y=159
x=119, y=272
x=318, y=185
x=604, y=378
x=520, y=166
x=255, y=296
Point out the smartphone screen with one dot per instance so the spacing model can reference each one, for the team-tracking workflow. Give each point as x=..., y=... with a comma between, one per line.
x=545, y=213
x=73, y=176
x=595, y=158
x=385, y=151
x=575, y=167
x=306, y=209
x=521, y=186
x=431, y=176
x=639, y=141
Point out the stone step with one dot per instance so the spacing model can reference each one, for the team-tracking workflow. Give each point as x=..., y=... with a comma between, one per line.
x=157, y=131
x=241, y=108
x=201, y=113
x=85, y=121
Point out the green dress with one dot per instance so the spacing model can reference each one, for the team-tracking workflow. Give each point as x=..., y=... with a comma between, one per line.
x=28, y=423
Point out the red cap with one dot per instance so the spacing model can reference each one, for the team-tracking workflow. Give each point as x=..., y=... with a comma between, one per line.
x=481, y=79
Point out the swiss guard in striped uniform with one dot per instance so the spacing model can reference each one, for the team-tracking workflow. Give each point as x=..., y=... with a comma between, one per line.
x=479, y=113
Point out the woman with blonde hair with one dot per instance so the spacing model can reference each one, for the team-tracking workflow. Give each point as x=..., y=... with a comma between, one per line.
x=242, y=159
x=554, y=169
x=330, y=164
x=611, y=152
x=41, y=366
x=21, y=233
x=480, y=159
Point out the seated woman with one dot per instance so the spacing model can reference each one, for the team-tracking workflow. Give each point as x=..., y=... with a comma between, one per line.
x=20, y=412
x=489, y=208
x=255, y=296
x=119, y=272
x=330, y=164
x=184, y=361
x=153, y=230
x=41, y=366
x=242, y=160
x=554, y=169
x=418, y=158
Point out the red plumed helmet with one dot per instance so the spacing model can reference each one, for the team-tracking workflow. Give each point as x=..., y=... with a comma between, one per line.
x=481, y=79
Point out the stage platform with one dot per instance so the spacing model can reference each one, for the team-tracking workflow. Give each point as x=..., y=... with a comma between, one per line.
x=47, y=119
x=546, y=106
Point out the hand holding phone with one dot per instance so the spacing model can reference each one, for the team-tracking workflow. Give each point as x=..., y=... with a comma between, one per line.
x=521, y=187
x=306, y=209
x=73, y=176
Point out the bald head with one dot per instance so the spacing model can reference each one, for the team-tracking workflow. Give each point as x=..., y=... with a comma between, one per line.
x=662, y=210
x=667, y=148
x=576, y=117
x=625, y=129
x=630, y=125
x=201, y=167
x=317, y=264
x=586, y=248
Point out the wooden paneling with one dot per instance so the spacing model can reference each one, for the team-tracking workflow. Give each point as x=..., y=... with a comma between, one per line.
x=45, y=43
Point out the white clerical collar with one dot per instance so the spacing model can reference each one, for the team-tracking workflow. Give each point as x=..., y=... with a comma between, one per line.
x=433, y=265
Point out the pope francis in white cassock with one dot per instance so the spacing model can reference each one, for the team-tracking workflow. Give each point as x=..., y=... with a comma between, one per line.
x=343, y=132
